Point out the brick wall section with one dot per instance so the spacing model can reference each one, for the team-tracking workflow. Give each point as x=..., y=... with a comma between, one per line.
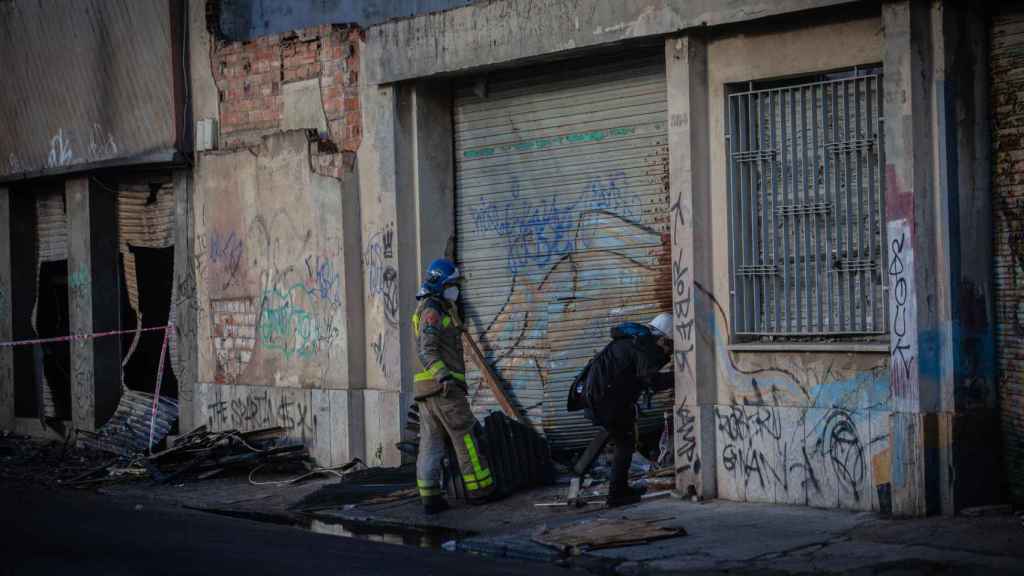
x=250, y=76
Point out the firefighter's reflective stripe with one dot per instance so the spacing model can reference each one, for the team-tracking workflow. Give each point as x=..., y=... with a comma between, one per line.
x=428, y=375
x=481, y=477
x=428, y=488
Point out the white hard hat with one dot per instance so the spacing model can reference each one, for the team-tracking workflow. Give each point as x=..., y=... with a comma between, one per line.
x=662, y=324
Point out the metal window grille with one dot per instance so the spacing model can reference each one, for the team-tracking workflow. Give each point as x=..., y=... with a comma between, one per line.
x=806, y=208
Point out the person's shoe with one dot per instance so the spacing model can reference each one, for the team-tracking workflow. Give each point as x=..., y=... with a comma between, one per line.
x=625, y=497
x=435, y=505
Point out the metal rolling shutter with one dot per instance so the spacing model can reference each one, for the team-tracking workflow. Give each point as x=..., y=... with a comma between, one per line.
x=1008, y=204
x=52, y=226
x=52, y=232
x=147, y=224
x=140, y=223
x=562, y=222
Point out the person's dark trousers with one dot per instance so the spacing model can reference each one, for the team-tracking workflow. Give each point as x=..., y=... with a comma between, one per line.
x=622, y=436
x=618, y=416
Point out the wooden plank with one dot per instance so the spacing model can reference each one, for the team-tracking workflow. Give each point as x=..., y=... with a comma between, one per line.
x=489, y=378
x=603, y=533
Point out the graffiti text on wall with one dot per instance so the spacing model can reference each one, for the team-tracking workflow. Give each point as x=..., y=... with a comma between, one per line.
x=291, y=327
x=259, y=409
x=98, y=143
x=381, y=275
x=762, y=456
x=538, y=231
x=903, y=320
x=550, y=142
x=324, y=280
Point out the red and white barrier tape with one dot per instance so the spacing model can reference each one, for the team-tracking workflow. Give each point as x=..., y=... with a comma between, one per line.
x=159, y=380
x=167, y=330
x=75, y=337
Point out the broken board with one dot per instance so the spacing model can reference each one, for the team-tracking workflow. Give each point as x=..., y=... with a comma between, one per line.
x=580, y=537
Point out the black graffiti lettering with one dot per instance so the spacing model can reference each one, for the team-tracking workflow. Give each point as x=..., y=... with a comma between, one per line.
x=677, y=214
x=901, y=354
x=379, y=347
x=685, y=423
x=217, y=413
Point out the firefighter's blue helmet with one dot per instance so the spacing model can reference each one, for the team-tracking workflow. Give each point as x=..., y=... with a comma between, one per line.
x=441, y=273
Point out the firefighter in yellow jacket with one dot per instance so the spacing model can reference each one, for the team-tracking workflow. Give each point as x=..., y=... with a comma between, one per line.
x=440, y=389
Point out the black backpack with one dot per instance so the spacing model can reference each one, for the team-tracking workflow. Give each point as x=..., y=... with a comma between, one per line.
x=577, y=391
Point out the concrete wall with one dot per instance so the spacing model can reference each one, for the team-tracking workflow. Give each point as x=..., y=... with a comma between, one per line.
x=503, y=33
x=790, y=426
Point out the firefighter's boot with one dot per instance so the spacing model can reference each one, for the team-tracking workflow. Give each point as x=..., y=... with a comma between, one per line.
x=434, y=505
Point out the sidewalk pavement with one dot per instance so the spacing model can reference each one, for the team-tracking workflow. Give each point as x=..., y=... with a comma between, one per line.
x=721, y=536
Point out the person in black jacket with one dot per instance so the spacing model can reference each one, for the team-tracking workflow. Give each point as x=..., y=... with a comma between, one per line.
x=609, y=387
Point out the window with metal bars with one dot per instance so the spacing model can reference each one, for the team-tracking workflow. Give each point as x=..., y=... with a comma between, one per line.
x=806, y=207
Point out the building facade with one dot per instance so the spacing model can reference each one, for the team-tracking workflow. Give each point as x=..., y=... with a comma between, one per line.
x=821, y=191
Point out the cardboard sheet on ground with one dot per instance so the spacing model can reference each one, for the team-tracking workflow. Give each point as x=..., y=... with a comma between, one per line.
x=580, y=537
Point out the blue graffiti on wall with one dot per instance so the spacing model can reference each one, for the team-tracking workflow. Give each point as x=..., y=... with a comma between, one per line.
x=325, y=280
x=226, y=250
x=538, y=231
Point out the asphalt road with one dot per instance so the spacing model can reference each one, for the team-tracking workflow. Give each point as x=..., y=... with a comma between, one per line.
x=72, y=533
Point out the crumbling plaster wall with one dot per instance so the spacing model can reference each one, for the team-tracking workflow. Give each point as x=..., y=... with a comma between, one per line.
x=275, y=320
x=277, y=237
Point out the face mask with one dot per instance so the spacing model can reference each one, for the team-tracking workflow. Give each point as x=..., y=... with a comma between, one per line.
x=451, y=293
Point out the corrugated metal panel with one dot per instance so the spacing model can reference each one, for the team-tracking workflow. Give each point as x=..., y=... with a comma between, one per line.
x=52, y=236
x=1008, y=202
x=144, y=225
x=562, y=221
x=86, y=82
x=52, y=227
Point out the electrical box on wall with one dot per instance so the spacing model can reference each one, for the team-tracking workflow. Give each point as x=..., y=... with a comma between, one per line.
x=206, y=134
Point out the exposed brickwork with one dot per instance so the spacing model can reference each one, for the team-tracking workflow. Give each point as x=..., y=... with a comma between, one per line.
x=250, y=77
x=234, y=336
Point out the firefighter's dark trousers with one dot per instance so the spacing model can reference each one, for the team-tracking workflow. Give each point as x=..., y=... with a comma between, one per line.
x=445, y=416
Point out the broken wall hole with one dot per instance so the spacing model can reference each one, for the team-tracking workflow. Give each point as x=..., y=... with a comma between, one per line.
x=52, y=361
x=154, y=268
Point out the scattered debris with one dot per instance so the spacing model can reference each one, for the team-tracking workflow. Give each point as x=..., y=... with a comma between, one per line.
x=55, y=462
x=579, y=537
x=201, y=454
x=363, y=487
x=519, y=458
x=127, y=432
x=598, y=497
